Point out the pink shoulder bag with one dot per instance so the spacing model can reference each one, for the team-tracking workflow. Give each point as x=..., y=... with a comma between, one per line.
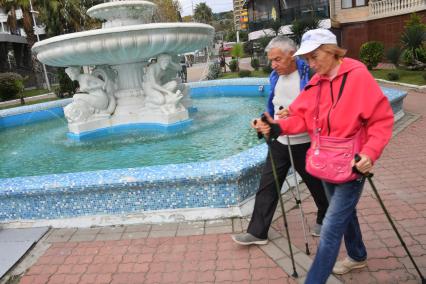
x=329, y=158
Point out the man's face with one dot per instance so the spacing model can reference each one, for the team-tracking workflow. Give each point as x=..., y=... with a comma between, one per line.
x=281, y=62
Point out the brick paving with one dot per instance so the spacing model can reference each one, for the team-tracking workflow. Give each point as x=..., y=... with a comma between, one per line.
x=202, y=252
x=191, y=259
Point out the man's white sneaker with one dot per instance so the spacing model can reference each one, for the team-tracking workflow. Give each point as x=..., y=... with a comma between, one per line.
x=246, y=239
x=346, y=265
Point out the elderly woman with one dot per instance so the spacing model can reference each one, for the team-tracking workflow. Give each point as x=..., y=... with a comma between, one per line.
x=344, y=104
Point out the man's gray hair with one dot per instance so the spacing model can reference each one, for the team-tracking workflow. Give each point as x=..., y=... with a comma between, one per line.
x=282, y=42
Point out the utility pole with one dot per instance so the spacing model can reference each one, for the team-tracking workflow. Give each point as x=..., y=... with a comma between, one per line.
x=192, y=8
x=46, y=78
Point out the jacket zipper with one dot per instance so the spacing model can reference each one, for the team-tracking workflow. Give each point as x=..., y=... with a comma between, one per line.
x=329, y=111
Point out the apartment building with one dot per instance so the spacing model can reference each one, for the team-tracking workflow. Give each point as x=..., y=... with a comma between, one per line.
x=240, y=15
x=358, y=21
x=13, y=44
x=15, y=53
x=262, y=13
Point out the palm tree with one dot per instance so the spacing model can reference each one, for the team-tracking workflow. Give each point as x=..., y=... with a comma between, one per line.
x=413, y=37
x=65, y=16
x=203, y=13
x=299, y=27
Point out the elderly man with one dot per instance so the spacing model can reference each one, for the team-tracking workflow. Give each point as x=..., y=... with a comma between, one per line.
x=289, y=76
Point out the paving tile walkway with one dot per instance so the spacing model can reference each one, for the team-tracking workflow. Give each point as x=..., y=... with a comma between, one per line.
x=202, y=252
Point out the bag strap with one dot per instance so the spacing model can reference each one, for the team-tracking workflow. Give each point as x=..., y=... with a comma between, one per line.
x=317, y=102
x=341, y=87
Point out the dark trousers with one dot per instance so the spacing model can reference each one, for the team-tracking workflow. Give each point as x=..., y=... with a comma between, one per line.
x=267, y=198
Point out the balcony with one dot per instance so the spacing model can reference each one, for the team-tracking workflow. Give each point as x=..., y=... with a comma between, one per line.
x=287, y=16
x=389, y=8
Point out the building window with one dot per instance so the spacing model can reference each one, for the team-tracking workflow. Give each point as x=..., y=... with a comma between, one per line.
x=353, y=3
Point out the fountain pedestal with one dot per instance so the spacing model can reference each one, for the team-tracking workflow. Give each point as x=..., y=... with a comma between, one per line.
x=123, y=89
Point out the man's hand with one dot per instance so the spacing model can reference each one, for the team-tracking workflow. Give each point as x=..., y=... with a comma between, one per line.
x=283, y=113
x=365, y=165
x=261, y=126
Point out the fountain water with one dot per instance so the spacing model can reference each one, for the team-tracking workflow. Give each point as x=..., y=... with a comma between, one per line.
x=122, y=87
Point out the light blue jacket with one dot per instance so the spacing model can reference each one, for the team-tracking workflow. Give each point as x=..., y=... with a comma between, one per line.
x=302, y=68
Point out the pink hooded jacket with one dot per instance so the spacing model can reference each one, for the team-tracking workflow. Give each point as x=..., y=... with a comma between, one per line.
x=362, y=104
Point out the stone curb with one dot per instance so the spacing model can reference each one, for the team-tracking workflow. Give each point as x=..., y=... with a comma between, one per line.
x=418, y=88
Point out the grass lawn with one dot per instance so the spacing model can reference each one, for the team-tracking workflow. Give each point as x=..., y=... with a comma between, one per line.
x=29, y=103
x=35, y=92
x=257, y=74
x=405, y=76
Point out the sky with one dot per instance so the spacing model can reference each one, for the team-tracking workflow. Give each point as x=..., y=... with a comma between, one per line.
x=216, y=5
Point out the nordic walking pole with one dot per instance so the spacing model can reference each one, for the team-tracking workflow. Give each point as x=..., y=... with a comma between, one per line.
x=297, y=197
x=277, y=185
x=370, y=181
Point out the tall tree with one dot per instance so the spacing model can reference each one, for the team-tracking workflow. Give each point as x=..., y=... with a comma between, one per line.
x=167, y=11
x=203, y=13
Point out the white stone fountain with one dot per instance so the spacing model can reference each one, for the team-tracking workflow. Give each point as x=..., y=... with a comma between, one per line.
x=123, y=87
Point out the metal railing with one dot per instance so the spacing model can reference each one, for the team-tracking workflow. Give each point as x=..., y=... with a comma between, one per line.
x=388, y=8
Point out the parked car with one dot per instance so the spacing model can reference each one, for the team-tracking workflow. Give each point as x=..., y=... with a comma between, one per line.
x=227, y=46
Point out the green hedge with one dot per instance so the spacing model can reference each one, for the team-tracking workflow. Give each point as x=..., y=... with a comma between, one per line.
x=244, y=73
x=11, y=84
x=393, y=76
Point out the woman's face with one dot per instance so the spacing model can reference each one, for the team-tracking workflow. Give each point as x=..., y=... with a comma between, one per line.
x=322, y=62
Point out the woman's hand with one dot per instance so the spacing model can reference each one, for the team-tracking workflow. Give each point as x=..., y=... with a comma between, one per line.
x=283, y=113
x=365, y=165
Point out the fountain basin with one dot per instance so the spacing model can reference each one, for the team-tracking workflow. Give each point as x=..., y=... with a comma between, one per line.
x=122, y=45
x=169, y=193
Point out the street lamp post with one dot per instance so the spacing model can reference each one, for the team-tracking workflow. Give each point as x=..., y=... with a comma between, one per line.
x=46, y=78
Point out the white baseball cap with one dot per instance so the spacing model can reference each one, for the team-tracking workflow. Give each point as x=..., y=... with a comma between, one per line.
x=312, y=39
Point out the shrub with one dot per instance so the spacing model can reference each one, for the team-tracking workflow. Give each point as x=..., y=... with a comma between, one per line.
x=267, y=68
x=233, y=65
x=393, y=54
x=407, y=57
x=244, y=73
x=412, y=39
x=393, y=76
x=424, y=76
x=421, y=54
x=255, y=63
x=371, y=53
x=214, y=71
x=11, y=84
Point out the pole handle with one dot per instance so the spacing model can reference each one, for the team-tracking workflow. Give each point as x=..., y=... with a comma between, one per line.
x=259, y=134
